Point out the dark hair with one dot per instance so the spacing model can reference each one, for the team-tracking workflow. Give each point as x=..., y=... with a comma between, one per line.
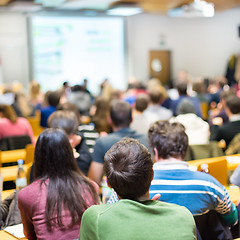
x=121, y=113
x=169, y=139
x=9, y=113
x=65, y=120
x=53, y=98
x=233, y=104
x=182, y=87
x=142, y=102
x=67, y=187
x=128, y=167
x=156, y=96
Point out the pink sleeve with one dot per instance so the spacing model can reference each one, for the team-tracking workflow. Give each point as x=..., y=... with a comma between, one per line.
x=25, y=203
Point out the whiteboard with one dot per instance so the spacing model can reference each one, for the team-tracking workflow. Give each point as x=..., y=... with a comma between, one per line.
x=73, y=48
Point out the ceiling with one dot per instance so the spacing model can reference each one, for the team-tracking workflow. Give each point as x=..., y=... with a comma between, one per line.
x=151, y=6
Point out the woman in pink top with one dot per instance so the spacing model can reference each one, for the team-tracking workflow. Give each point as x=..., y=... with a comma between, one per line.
x=11, y=125
x=52, y=206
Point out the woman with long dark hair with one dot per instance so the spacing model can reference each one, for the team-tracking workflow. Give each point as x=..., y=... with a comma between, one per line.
x=52, y=206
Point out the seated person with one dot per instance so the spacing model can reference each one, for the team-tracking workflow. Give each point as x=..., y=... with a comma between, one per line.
x=199, y=192
x=53, y=99
x=52, y=206
x=121, y=117
x=128, y=166
x=68, y=122
x=196, y=128
x=11, y=125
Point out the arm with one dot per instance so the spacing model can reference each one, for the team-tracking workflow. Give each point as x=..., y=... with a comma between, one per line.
x=96, y=172
x=24, y=205
x=223, y=204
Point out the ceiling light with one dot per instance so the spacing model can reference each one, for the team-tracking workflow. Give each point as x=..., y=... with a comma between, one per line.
x=198, y=8
x=126, y=9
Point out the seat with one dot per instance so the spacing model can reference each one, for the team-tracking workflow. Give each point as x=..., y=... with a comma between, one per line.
x=204, y=151
x=35, y=124
x=217, y=168
x=14, y=142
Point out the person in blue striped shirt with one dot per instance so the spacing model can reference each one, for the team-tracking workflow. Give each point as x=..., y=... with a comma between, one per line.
x=201, y=193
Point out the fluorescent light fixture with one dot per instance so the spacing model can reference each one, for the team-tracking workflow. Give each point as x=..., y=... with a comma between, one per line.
x=124, y=10
x=198, y=8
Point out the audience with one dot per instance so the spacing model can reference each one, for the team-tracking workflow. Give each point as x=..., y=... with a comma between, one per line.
x=121, y=117
x=128, y=166
x=52, y=206
x=11, y=125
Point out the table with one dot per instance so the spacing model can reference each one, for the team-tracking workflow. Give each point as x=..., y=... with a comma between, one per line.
x=7, y=236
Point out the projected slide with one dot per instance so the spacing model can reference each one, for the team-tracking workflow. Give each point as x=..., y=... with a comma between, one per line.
x=74, y=48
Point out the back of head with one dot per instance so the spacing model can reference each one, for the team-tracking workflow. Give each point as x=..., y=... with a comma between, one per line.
x=65, y=120
x=53, y=98
x=155, y=96
x=169, y=139
x=182, y=87
x=233, y=104
x=53, y=155
x=121, y=113
x=8, y=112
x=142, y=102
x=185, y=106
x=128, y=167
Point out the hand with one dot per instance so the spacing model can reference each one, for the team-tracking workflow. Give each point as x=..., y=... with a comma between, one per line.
x=156, y=196
x=74, y=140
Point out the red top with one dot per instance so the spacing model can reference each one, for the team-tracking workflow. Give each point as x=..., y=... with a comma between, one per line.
x=32, y=204
x=21, y=127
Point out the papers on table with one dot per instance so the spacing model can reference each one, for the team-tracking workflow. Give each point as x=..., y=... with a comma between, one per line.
x=16, y=231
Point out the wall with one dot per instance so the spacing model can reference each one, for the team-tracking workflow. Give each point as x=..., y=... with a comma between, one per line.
x=14, y=49
x=201, y=46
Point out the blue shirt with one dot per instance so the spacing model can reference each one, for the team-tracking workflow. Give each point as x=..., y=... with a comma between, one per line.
x=103, y=144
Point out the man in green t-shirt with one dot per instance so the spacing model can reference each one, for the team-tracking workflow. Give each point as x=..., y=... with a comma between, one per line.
x=129, y=171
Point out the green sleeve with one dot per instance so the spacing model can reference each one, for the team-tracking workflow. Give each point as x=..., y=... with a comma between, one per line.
x=89, y=230
x=231, y=218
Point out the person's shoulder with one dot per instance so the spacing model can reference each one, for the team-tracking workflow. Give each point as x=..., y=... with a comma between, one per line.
x=30, y=191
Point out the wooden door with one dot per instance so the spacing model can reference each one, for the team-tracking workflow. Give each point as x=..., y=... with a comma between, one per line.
x=159, y=65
